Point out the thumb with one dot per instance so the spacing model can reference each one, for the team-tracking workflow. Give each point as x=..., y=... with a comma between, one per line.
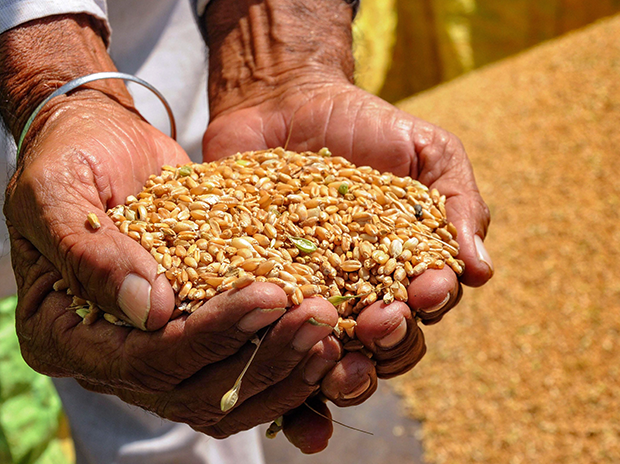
x=241, y=131
x=444, y=165
x=101, y=264
x=470, y=215
x=116, y=272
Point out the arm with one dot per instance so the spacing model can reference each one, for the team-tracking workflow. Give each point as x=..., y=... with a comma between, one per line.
x=37, y=58
x=277, y=65
x=259, y=50
x=33, y=62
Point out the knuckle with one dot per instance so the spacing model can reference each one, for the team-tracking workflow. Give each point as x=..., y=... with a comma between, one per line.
x=201, y=416
x=412, y=347
x=147, y=368
x=396, y=367
x=145, y=375
x=73, y=251
x=214, y=347
x=271, y=373
x=278, y=404
x=393, y=367
x=43, y=334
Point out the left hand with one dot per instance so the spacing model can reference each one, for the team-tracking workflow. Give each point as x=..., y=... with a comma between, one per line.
x=369, y=131
x=277, y=68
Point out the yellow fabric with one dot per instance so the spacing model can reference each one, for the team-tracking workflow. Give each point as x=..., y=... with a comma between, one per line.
x=374, y=32
x=405, y=46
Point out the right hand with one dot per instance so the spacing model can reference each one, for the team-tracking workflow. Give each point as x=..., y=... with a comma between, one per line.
x=89, y=154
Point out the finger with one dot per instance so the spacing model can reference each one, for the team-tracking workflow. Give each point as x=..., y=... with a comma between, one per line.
x=117, y=273
x=433, y=156
x=433, y=293
x=284, y=396
x=444, y=165
x=106, y=354
x=351, y=382
x=381, y=327
x=390, y=331
x=309, y=428
x=470, y=216
x=102, y=264
x=288, y=342
x=284, y=347
x=212, y=333
x=393, y=336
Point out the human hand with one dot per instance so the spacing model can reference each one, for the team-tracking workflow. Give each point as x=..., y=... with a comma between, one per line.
x=89, y=154
x=389, y=332
x=85, y=153
x=312, y=104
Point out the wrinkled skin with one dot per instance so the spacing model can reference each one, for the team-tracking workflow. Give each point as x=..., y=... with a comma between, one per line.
x=88, y=151
x=67, y=172
x=368, y=131
x=89, y=155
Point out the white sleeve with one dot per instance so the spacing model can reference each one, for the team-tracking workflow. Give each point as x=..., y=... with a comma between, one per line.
x=200, y=6
x=16, y=12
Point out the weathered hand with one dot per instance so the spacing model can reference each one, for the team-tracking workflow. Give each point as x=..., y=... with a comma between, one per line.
x=369, y=131
x=89, y=153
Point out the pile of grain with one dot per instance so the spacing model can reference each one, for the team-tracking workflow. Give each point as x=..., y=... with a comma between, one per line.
x=311, y=223
x=526, y=370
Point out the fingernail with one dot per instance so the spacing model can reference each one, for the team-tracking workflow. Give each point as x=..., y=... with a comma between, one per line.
x=357, y=391
x=316, y=368
x=395, y=337
x=483, y=254
x=258, y=318
x=438, y=307
x=310, y=334
x=134, y=298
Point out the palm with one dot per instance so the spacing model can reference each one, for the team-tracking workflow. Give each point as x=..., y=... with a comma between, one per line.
x=367, y=131
x=99, y=156
x=345, y=119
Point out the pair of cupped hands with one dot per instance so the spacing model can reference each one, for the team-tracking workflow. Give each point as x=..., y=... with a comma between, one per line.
x=90, y=152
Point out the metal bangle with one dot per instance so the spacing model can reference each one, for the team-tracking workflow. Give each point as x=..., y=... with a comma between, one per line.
x=355, y=4
x=71, y=85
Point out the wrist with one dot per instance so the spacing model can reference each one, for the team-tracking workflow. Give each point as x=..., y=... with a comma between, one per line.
x=42, y=55
x=259, y=50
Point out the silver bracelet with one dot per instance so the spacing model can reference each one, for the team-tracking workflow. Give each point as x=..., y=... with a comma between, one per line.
x=69, y=86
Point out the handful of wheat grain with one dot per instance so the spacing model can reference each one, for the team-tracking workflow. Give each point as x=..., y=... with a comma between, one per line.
x=311, y=223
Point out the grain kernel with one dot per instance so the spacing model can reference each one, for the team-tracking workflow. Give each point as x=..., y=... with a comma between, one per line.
x=93, y=220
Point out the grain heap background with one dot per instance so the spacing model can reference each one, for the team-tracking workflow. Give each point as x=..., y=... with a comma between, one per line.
x=526, y=369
